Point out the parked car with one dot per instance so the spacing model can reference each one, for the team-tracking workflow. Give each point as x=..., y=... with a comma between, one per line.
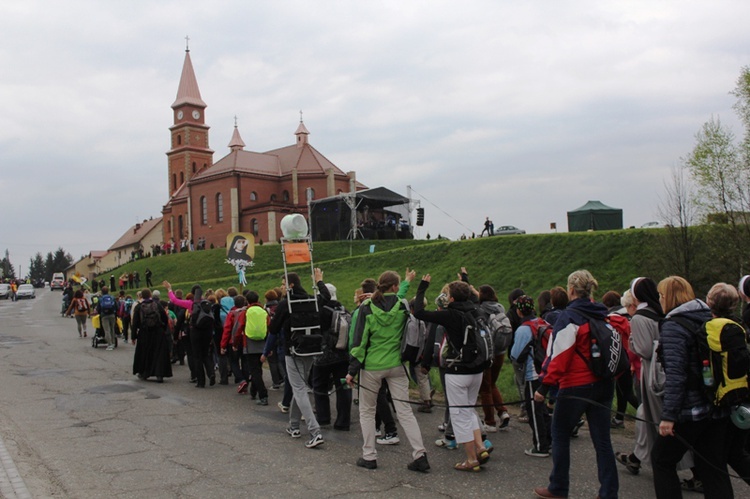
x=5, y=291
x=504, y=230
x=25, y=291
x=58, y=281
x=38, y=283
x=652, y=225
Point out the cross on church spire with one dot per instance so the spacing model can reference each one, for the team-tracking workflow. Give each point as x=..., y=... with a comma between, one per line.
x=187, y=43
x=235, y=121
x=300, y=115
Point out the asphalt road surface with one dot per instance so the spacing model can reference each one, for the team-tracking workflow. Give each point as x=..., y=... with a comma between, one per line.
x=74, y=422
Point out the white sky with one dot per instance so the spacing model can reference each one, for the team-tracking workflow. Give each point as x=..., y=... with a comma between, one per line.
x=519, y=111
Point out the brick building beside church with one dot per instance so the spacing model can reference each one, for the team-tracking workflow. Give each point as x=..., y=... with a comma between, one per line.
x=243, y=191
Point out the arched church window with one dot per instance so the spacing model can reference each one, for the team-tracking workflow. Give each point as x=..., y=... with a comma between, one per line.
x=255, y=226
x=253, y=196
x=219, y=208
x=286, y=196
x=204, y=210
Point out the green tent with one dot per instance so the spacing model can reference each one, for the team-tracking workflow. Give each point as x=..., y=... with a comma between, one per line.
x=594, y=215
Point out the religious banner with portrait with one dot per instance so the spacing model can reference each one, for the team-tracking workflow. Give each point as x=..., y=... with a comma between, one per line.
x=240, y=253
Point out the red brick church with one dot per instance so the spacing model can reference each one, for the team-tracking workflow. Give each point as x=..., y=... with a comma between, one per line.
x=244, y=191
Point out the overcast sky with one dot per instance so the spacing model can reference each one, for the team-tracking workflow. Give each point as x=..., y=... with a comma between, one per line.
x=519, y=111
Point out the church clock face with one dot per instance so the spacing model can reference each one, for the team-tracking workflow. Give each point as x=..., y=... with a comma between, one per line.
x=196, y=114
x=179, y=115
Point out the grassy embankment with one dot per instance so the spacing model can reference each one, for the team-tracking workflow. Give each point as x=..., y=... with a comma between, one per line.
x=533, y=262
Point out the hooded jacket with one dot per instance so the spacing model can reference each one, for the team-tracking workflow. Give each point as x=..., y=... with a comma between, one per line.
x=227, y=304
x=377, y=334
x=567, y=366
x=684, y=398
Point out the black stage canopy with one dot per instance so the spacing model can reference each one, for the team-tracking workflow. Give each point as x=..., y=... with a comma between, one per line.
x=377, y=213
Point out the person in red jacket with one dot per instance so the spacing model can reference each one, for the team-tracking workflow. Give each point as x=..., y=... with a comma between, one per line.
x=233, y=342
x=580, y=391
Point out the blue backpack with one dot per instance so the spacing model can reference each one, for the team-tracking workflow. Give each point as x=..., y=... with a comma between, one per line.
x=108, y=305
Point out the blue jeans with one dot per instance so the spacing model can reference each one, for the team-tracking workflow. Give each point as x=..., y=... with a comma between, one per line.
x=567, y=413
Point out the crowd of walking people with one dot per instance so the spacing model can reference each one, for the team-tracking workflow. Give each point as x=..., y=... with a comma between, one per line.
x=653, y=339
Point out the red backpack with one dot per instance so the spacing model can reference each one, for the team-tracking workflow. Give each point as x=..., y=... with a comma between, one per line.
x=237, y=338
x=541, y=331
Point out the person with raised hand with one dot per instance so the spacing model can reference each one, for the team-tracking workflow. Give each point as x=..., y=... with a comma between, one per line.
x=376, y=356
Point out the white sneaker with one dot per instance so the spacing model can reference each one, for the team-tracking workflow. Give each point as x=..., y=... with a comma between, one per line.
x=533, y=452
x=388, y=439
x=504, y=421
x=378, y=433
x=111, y=347
x=489, y=428
x=446, y=444
x=293, y=432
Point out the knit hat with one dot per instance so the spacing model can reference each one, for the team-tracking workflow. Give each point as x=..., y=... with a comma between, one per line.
x=524, y=304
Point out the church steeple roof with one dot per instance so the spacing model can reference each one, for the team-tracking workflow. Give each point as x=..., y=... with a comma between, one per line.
x=236, y=143
x=188, y=92
x=301, y=132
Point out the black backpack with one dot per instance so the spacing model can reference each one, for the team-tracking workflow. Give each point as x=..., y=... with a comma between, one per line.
x=607, y=356
x=476, y=350
x=204, y=316
x=304, y=327
x=150, y=317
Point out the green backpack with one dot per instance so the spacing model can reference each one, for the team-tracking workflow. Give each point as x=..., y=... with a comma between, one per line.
x=256, y=323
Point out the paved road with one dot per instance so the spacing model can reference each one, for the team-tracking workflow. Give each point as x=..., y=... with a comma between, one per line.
x=74, y=422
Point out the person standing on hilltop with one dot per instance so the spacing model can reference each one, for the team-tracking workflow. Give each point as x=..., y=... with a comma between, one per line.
x=487, y=225
x=149, y=284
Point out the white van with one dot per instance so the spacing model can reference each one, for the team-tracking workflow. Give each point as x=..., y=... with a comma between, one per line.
x=58, y=281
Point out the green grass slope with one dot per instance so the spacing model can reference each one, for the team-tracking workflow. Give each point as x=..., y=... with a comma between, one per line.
x=533, y=262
